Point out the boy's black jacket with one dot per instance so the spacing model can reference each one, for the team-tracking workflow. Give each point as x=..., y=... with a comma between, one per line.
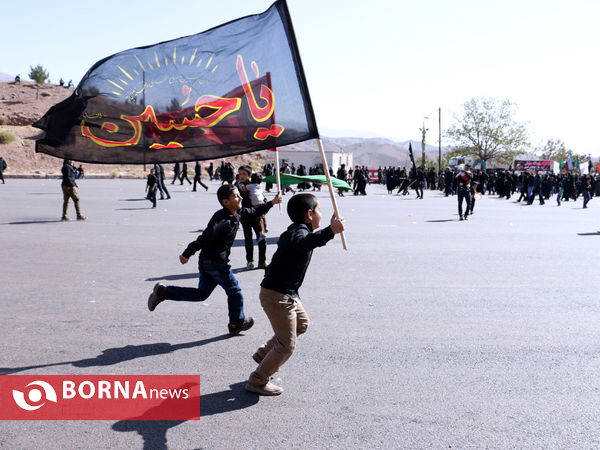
x=286, y=272
x=217, y=238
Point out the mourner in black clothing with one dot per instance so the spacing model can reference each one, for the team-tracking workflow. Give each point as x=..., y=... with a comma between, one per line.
x=198, y=177
x=463, y=189
x=184, y=174
x=69, y=188
x=151, y=187
x=2, y=169
x=176, y=172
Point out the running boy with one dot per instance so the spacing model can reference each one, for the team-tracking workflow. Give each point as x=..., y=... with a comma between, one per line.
x=279, y=289
x=213, y=264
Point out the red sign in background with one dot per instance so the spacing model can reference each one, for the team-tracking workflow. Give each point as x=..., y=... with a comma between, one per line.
x=99, y=397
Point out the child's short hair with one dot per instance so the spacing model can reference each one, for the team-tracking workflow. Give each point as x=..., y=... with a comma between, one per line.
x=224, y=192
x=246, y=169
x=299, y=204
x=256, y=178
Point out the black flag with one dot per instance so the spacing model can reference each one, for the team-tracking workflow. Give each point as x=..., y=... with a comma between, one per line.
x=233, y=89
x=412, y=157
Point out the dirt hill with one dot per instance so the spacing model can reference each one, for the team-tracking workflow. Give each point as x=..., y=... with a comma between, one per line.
x=24, y=103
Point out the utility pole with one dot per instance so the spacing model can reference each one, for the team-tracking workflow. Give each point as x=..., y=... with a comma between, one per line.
x=423, y=131
x=440, y=141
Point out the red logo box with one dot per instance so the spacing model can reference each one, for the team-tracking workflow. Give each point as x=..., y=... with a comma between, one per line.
x=100, y=397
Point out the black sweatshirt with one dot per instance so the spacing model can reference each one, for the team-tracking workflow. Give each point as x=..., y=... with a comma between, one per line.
x=286, y=272
x=216, y=240
x=68, y=175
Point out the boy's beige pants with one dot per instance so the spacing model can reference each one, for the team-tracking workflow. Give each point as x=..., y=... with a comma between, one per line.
x=288, y=320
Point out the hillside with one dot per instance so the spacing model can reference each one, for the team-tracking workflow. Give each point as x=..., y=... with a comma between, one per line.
x=374, y=152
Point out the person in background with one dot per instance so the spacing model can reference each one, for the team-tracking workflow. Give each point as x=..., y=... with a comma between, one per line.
x=151, y=185
x=69, y=188
x=176, y=172
x=3, y=167
x=198, y=177
x=184, y=174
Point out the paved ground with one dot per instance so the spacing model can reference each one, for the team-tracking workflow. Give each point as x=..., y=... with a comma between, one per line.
x=428, y=332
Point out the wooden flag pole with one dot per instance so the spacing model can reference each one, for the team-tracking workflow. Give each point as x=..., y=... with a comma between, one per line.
x=276, y=150
x=278, y=177
x=330, y=185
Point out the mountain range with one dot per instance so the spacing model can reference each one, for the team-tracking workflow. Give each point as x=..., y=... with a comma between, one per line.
x=373, y=152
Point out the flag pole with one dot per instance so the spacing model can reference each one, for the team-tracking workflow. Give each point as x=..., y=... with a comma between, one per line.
x=276, y=150
x=330, y=185
x=278, y=176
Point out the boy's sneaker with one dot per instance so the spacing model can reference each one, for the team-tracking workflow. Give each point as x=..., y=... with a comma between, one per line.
x=65, y=219
x=263, y=265
x=261, y=237
x=236, y=329
x=267, y=389
x=157, y=296
x=250, y=265
x=81, y=218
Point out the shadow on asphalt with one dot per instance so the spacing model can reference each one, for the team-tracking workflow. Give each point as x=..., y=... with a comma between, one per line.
x=188, y=276
x=595, y=233
x=30, y=222
x=132, y=199
x=180, y=276
x=131, y=209
x=118, y=355
x=154, y=432
x=441, y=220
x=241, y=243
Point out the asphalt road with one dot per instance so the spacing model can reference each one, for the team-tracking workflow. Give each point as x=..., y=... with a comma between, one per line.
x=427, y=333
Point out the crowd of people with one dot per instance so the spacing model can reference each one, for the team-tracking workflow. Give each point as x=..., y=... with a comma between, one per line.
x=503, y=182
x=526, y=186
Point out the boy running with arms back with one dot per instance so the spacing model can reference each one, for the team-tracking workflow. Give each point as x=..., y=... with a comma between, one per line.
x=213, y=264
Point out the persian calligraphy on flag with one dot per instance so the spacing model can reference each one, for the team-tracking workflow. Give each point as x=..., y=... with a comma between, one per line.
x=233, y=89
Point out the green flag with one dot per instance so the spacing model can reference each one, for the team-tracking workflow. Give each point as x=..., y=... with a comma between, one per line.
x=287, y=179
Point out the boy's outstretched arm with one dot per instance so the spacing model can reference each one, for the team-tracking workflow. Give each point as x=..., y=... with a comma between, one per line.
x=319, y=238
x=277, y=199
x=192, y=248
x=261, y=209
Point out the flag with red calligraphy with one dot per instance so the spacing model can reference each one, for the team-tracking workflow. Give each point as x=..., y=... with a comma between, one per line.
x=233, y=89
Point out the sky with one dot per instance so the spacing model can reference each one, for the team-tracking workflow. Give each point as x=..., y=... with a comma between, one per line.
x=374, y=68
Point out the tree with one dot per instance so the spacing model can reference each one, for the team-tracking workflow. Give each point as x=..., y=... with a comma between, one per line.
x=39, y=74
x=488, y=131
x=553, y=149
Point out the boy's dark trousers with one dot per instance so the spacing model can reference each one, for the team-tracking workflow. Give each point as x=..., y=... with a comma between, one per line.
x=248, y=224
x=466, y=195
x=212, y=274
x=289, y=320
x=152, y=196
